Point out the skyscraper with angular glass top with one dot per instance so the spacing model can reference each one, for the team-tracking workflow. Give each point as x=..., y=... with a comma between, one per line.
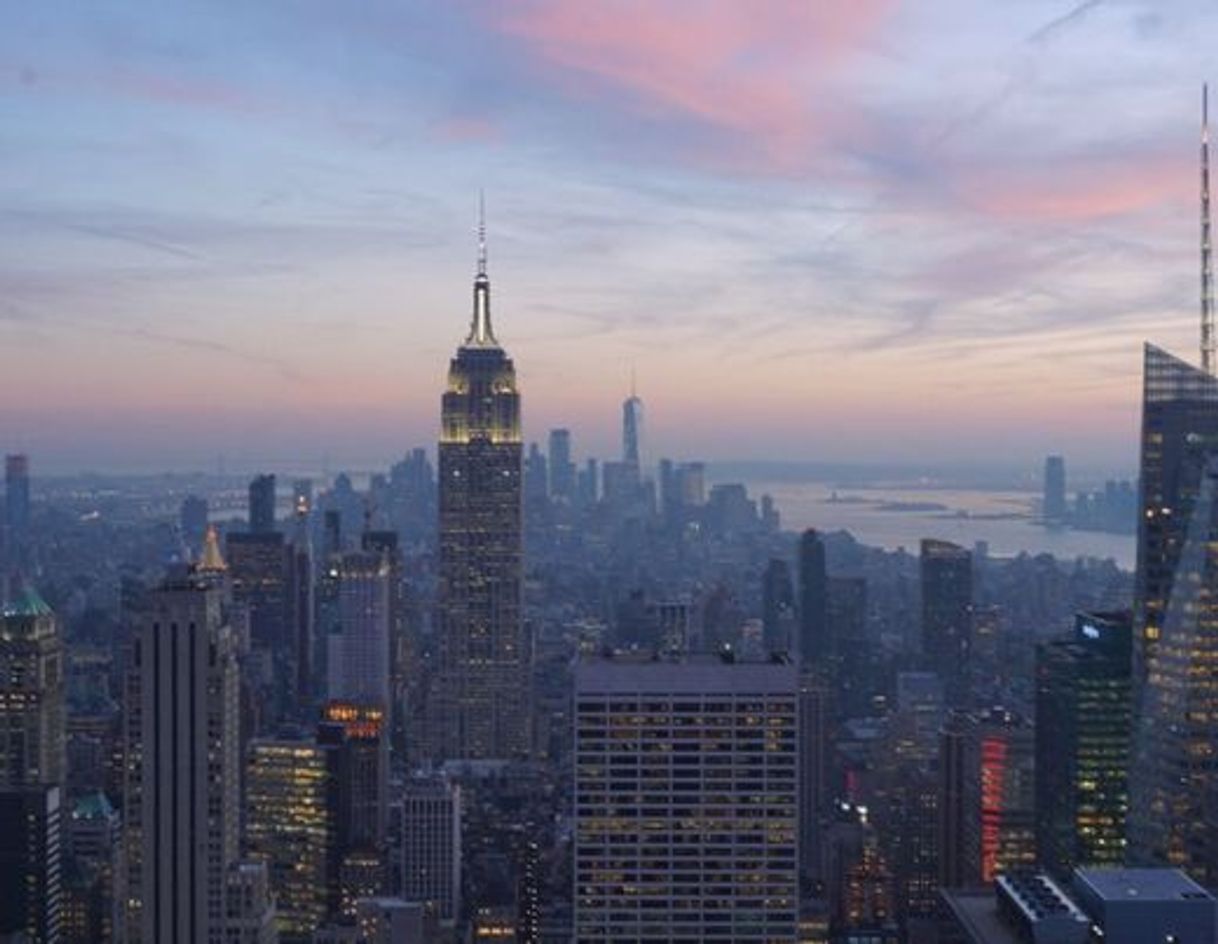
x=1174, y=775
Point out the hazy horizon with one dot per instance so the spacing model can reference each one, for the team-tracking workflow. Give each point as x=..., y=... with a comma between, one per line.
x=879, y=232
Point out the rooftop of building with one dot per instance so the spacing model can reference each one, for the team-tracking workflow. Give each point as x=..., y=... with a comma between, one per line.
x=26, y=603
x=976, y=912
x=636, y=673
x=93, y=806
x=1139, y=884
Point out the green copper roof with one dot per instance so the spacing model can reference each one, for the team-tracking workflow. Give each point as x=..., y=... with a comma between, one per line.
x=93, y=806
x=27, y=603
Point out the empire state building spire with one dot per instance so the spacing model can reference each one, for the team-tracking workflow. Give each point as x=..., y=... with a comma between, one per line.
x=480, y=333
x=1207, y=261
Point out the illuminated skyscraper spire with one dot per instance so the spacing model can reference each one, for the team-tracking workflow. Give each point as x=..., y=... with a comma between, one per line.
x=480, y=333
x=1207, y=262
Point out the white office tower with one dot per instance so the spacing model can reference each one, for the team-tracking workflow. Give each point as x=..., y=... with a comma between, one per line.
x=181, y=794
x=686, y=801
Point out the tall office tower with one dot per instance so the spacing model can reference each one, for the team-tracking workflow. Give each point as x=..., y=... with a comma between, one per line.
x=1175, y=635
x=947, y=614
x=431, y=846
x=851, y=658
x=260, y=570
x=999, y=794
x=300, y=603
x=262, y=504
x=1174, y=783
x=403, y=670
x=670, y=500
x=31, y=891
x=816, y=649
x=292, y=824
x=661, y=745
x=536, y=481
x=814, y=751
x=332, y=533
x=562, y=469
x=1053, y=508
x=356, y=734
x=632, y=430
x=484, y=705
x=1084, y=715
x=181, y=795
x=905, y=807
x=359, y=652
x=778, y=607
x=587, y=484
x=192, y=520
x=32, y=735
x=950, y=841
x=93, y=840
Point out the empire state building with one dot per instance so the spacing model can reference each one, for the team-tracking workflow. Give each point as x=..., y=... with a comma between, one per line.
x=483, y=695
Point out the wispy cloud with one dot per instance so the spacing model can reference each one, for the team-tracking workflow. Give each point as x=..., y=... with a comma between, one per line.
x=759, y=75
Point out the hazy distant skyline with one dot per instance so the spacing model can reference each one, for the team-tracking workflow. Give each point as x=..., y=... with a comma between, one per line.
x=872, y=231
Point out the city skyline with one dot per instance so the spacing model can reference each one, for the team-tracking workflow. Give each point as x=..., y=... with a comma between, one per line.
x=845, y=224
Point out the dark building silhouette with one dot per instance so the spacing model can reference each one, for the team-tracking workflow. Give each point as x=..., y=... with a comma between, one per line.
x=815, y=645
x=851, y=661
x=562, y=469
x=777, y=606
x=192, y=519
x=357, y=736
x=632, y=430
x=1054, y=504
x=262, y=504
x=953, y=813
x=947, y=613
x=1083, y=729
x=31, y=888
x=482, y=703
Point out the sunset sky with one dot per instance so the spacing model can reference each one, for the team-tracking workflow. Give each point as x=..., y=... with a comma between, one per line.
x=931, y=230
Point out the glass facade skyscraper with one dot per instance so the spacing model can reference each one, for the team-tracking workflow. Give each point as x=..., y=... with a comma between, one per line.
x=1083, y=732
x=1174, y=775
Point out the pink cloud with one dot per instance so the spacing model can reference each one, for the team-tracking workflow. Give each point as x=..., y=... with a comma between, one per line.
x=1081, y=189
x=176, y=90
x=465, y=129
x=756, y=71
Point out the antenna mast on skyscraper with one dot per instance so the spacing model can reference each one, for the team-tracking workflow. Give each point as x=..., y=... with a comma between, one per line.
x=1207, y=262
x=481, y=232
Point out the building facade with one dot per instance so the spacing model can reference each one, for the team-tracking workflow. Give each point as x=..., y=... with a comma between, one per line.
x=292, y=825
x=687, y=801
x=947, y=615
x=482, y=705
x=32, y=688
x=1173, y=817
x=181, y=797
x=1084, y=727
